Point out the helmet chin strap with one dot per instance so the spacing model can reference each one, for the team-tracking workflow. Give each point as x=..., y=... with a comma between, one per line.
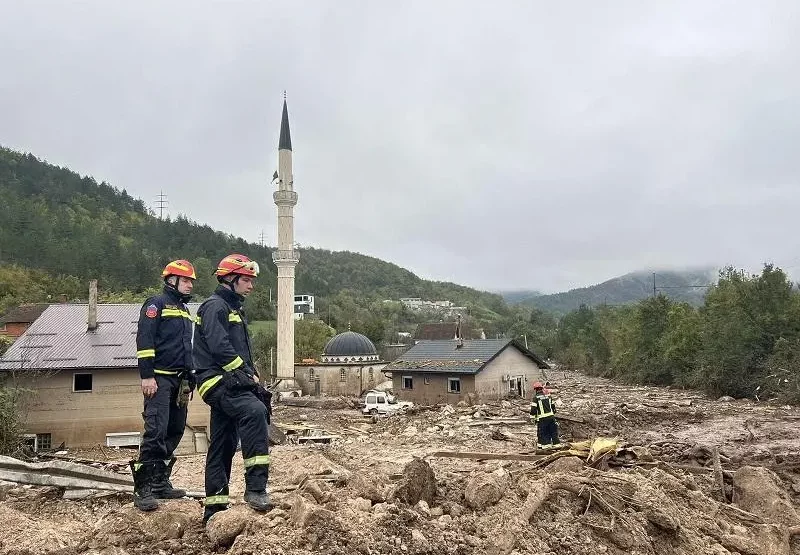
x=231, y=284
x=185, y=297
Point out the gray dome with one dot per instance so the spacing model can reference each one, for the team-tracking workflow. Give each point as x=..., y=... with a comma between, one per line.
x=349, y=344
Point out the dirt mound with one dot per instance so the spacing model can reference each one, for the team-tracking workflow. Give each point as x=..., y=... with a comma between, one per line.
x=687, y=476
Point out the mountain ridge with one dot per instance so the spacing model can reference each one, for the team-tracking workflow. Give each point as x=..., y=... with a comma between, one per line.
x=687, y=285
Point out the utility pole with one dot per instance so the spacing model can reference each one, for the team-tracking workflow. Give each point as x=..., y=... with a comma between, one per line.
x=271, y=370
x=524, y=335
x=261, y=239
x=161, y=203
x=654, y=285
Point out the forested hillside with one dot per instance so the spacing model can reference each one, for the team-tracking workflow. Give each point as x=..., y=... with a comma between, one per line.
x=59, y=229
x=681, y=286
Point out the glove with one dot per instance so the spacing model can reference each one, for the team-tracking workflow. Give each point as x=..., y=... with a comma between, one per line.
x=239, y=380
x=191, y=380
x=265, y=396
x=184, y=393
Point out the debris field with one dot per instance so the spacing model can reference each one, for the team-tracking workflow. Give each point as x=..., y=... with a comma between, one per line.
x=642, y=470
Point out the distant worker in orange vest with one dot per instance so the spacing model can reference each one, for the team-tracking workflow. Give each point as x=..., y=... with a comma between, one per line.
x=543, y=412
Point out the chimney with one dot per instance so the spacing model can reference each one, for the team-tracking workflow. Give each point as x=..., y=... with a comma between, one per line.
x=93, y=305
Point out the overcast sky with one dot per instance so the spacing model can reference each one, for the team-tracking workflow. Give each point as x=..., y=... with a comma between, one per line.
x=529, y=144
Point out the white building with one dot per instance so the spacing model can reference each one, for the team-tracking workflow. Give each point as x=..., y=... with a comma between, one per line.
x=303, y=304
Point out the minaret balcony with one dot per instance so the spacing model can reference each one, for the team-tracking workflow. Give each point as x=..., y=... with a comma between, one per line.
x=283, y=197
x=285, y=256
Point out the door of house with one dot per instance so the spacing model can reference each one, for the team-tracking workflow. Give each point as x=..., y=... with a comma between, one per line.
x=516, y=385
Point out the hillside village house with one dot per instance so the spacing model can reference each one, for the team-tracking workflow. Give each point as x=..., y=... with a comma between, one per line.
x=80, y=365
x=18, y=319
x=447, y=330
x=449, y=371
x=349, y=366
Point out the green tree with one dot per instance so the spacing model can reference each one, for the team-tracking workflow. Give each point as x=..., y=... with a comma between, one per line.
x=5, y=343
x=310, y=338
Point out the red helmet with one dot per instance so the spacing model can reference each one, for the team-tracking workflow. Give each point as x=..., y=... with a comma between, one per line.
x=182, y=268
x=237, y=264
x=538, y=385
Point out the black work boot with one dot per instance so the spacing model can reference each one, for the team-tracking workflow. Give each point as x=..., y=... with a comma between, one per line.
x=162, y=487
x=258, y=500
x=142, y=486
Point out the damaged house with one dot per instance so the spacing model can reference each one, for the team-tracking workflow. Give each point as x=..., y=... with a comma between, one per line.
x=14, y=322
x=78, y=363
x=449, y=371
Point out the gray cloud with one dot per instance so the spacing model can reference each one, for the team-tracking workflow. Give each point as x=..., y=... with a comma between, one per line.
x=514, y=144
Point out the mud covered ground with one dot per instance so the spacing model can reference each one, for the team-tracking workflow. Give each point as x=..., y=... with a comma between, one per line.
x=379, y=488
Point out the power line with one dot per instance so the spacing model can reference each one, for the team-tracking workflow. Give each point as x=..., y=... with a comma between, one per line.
x=161, y=203
x=662, y=287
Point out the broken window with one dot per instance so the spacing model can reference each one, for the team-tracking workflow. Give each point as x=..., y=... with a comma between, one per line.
x=29, y=441
x=408, y=383
x=427, y=380
x=342, y=375
x=310, y=373
x=44, y=442
x=454, y=385
x=371, y=373
x=83, y=382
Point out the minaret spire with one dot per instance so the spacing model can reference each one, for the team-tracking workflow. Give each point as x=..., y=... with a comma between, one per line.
x=285, y=142
x=285, y=257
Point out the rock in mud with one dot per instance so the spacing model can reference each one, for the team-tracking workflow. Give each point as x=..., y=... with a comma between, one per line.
x=484, y=490
x=223, y=528
x=756, y=490
x=419, y=482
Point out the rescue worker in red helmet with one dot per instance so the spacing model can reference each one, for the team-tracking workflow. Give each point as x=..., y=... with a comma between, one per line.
x=543, y=412
x=228, y=383
x=164, y=355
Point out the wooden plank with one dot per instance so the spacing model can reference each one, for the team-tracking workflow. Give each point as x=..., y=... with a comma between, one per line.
x=499, y=422
x=317, y=439
x=569, y=418
x=64, y=469
x=485, y=456
x=718, y=477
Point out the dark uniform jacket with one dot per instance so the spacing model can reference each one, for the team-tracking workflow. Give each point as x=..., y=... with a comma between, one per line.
x=542, y=406
x=164, y=336
x=221, y=341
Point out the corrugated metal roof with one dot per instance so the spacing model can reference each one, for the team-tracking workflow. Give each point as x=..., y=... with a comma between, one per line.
x=59, y=339
x=443, y=356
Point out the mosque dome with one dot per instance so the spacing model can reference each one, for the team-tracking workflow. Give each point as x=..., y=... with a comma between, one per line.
x=350, y=347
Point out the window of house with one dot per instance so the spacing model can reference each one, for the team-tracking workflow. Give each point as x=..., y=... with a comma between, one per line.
x=29, y=441
x=408, y=383
x=454, y=385
x=371, y=373
x=427, y=380
x=82, y=382
x=44, y=442
x=342, y=375
x=310, y=373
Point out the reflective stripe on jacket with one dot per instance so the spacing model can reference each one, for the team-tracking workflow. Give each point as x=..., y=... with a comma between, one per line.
x=164, y=336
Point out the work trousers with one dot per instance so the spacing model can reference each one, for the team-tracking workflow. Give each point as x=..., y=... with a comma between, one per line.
x=234, y=415
x=547, y=430
x=164, y=421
